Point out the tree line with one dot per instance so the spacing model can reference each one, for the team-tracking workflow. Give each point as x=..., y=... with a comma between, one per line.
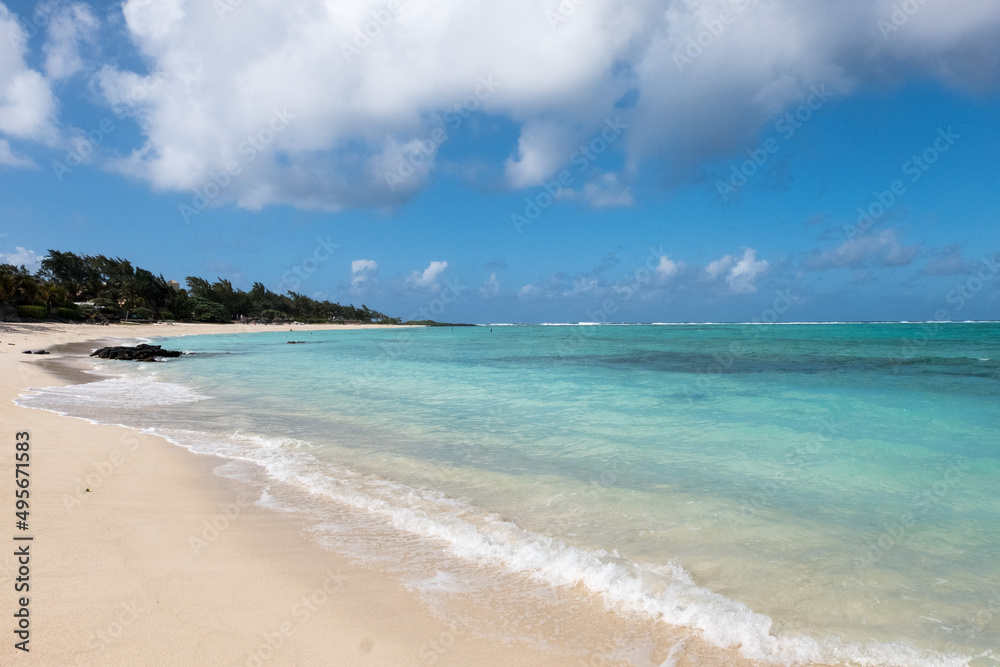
x=98, y=288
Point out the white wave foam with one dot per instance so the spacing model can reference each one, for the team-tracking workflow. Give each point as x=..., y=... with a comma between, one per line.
x=133, y=391
x=662, y=592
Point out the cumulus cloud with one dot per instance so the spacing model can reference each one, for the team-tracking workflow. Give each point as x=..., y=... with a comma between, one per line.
x=529, y=291
x=946, y=262
x=659, y=277
x=667, y=268
x=607, y=192
x=10, y=159
x=27, y=105
x=427, y=279
x=882, y=249
x=68, y=27
x=364, y=106
x=556, y=286
x=743, y=274
x=583, y=285
x=541, y=150
x=363, y=272
x=491, y=287
x=719, y=267
x=29, y=259
x=740, y=273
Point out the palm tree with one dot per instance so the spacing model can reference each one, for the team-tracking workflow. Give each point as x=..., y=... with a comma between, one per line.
x=53, y=295
x=27, y=289
x=8, y=288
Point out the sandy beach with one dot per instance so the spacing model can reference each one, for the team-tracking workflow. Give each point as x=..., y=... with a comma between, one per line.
x=141, y=556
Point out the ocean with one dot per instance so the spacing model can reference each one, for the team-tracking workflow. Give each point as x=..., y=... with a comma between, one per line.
x=792, y=492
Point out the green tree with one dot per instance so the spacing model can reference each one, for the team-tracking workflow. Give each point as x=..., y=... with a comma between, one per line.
x=199, y=287
x=203, y=310
x=8, y=288
x=77, y=274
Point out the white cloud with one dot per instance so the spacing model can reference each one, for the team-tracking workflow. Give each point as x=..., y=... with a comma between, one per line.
x=741, y=277
x=740, y=273
x=27, y=105
x=667, y=268
x=10, y=159
x=953, y=42
x=719, y=267
x=68, y=26
x=22, y=257
x=607, y=192
x=361, y=112
x=427, y=279
x=659, y=277
x=363, y=271
x=882, y=249
x=542, y=149
x=583, y=285
x=491, y=287
x=604, y=191
x=947, y=262
x=529, y=291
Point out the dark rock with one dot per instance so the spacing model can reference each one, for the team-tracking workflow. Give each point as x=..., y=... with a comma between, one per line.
x=141, y=352
x=296, y=342
x=41, y=351
x=27, y=352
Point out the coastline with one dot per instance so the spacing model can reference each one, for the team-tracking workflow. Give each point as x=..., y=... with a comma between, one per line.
x=164, y=562
x=168, y=559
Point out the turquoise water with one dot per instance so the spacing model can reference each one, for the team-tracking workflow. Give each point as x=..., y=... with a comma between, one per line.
x=801, y=492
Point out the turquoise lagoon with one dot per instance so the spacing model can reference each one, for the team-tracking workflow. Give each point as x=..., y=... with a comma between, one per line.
x=811, y=492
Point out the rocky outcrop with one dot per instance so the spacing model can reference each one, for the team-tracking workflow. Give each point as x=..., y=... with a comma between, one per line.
x=141, y=352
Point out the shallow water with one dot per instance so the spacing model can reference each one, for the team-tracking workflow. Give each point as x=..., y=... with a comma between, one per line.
x=801, y=492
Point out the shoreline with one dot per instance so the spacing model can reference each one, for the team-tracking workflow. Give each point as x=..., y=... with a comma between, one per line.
x=162, y=561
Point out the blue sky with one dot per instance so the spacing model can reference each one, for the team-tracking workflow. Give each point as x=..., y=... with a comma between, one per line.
x=532, y=161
